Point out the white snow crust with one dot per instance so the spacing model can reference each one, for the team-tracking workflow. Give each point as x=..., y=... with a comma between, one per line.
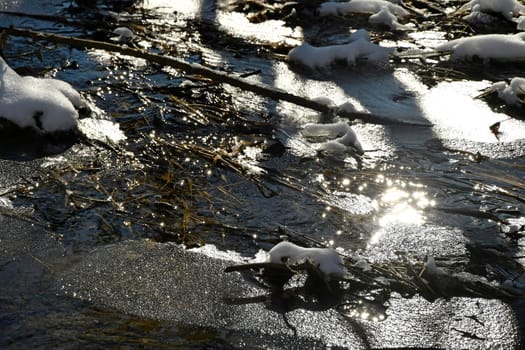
x=359, y=47
x=513, y=93
x=125, y=35
x=507, y=8
x=361, y=6
x=47, y=105
x=382, y=12
x=328, y=261
x=501, y=47
x=342, y=132
x=521, y=23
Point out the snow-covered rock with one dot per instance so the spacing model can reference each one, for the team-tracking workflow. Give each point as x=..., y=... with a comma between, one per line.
x=513, y=93
x=382, y=12
x=328, y=261
x=359, y=47
x=501, y=47
x=507, y=8
x=46, y=105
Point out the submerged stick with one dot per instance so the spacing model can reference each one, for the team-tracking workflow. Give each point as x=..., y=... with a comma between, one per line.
x=194, y=68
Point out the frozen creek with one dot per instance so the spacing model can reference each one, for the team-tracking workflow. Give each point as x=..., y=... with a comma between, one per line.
x=89, y=273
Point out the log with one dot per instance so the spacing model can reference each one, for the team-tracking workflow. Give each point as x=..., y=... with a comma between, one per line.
x=216, y=76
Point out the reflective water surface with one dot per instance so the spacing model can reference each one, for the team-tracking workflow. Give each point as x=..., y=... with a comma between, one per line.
x=172, y=157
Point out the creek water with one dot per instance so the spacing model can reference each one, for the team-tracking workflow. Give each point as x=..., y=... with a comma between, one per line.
x=87, y=275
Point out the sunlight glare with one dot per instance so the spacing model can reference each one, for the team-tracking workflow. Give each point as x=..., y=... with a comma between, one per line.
x=402, y=206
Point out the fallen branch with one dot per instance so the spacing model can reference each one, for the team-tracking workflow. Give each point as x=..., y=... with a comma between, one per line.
x=194, y=68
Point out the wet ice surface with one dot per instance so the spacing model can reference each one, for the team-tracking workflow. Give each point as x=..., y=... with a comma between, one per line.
x=386, y=209
x=415, y=240
x=458, y=323
x=164, y=284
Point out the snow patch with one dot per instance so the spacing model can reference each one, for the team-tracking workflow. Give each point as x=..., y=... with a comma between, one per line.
x=342, y=132
x=327, y=260
x=102, y=130
x=388, y=19
x=507, y=8
x=502, y=47
x=359, y=47
x=513, y=93
x=382, y=12
x=361, y=6
x=46, y=105
x=6, y=203
x=212, y=251
x=125, y=35
x=521, y=23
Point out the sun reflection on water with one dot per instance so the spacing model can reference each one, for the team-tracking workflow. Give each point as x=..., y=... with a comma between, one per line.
x=402, y=202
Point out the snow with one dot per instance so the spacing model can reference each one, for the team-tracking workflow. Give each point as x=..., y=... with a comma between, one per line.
x=382, y=12
x=432, y=268
x=388, y=19
x=212, y=251
x=513, y=93
x=125, y=35
x=507, y=8
x=359, y=47
x=47, y=105
x=342, y=132
x=6, y=203
x=102, y=130
x=361, y=6
x=479, y=17
x=328, y=261
x=521, y=23
x=503, y=47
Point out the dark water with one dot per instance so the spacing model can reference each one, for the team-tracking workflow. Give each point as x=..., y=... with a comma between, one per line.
x=200, y=162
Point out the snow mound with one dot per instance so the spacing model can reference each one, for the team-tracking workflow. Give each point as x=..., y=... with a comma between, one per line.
x=46, y=105
x=326, y=259
x=513, y=93
x=361, y=6
x=125, y=35
x=382, y=12
x=342, y=132
x=359, y=47
x=521, y=23
x=388, y=19
x=507, y=8
x=502, y=47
